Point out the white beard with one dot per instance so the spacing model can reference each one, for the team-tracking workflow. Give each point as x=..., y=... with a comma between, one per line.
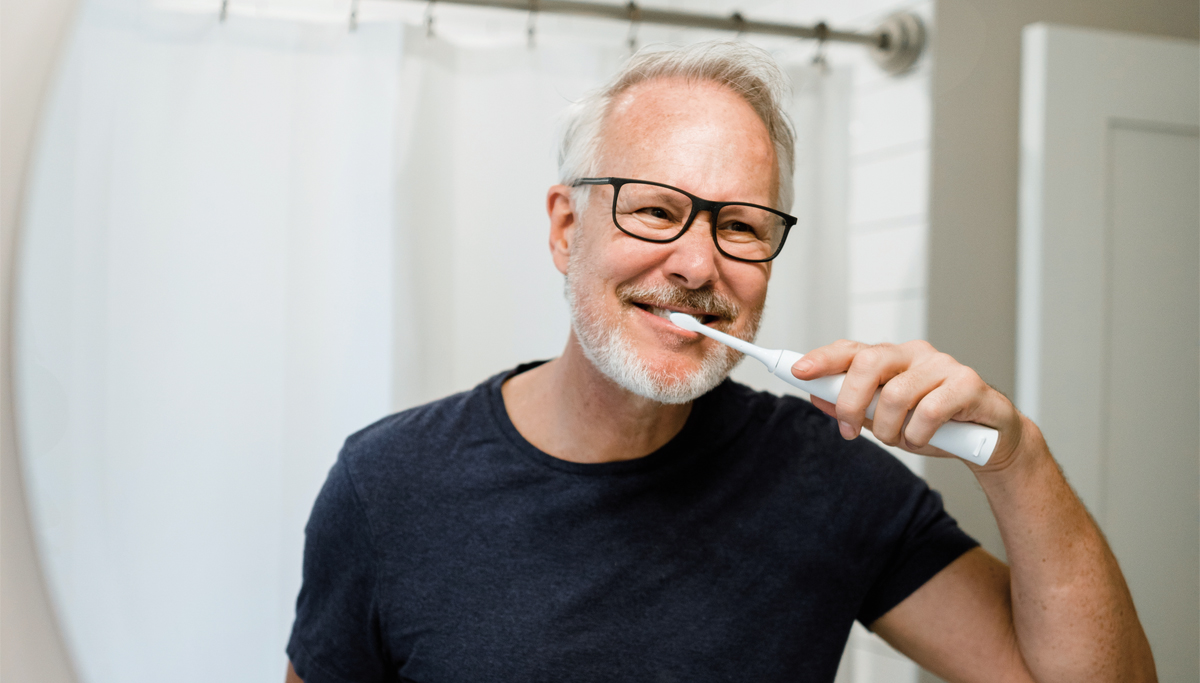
x=606, y=346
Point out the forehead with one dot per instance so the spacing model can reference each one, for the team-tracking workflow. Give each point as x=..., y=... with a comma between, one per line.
x=700, y=136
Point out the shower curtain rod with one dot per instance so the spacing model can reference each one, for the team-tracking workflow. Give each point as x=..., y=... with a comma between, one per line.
x=895, y=45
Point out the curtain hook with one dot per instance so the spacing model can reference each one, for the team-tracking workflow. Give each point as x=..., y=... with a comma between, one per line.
x=531, y=24
x=224, y=10
x=429, y=19
x=635, y=18
x=353, y=15
x=741, y=24
x=822, y=35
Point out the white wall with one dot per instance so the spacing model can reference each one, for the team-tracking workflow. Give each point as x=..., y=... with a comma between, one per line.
x=31, y=649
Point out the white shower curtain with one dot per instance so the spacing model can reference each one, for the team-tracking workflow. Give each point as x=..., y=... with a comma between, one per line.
x=246, y=240
x=477, y=292
x=204, y=313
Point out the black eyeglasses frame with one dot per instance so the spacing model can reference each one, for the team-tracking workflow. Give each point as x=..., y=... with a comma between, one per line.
x=698, y=205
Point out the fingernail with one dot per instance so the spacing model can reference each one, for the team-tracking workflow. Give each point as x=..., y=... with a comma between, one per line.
x=847, y=430
x=803, y=365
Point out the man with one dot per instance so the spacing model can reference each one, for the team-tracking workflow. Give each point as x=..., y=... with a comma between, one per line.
x=624, y=512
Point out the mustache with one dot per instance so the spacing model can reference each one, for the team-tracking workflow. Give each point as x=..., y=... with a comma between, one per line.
x=705, y=299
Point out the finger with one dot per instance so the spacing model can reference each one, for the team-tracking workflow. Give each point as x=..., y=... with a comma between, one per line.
x=897, y=397
x=871, y=368
x=993, y=409
x=956, y=398
x=824, y=406
x=902, y=393
x=830, y=359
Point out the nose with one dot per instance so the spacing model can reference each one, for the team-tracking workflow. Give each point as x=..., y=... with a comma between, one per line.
x=692, y=262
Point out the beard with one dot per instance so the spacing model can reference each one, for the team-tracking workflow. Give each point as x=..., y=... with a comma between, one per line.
x=606, y=344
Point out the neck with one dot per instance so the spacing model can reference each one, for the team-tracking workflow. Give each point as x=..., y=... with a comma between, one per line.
x=570, y=410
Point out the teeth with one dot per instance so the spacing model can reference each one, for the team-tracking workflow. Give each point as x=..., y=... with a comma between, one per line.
x=665, y=313
x=660, y=312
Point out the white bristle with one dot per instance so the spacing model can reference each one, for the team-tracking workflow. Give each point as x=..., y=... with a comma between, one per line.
x=686, y=321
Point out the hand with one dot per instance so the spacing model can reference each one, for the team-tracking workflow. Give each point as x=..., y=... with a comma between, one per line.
x=915, y=377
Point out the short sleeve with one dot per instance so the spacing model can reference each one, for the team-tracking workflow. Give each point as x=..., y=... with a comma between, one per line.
x=337, y=635
x=928, y=540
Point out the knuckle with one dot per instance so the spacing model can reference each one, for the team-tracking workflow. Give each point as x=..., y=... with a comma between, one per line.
x=914, y=438
x=920, y=346
x=894, y=395
x=971, y=378
x=871, y=356
x=936, y=407
x=968, y=379
x=944, y=360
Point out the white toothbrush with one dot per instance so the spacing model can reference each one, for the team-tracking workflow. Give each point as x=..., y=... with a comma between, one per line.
x=967, y=440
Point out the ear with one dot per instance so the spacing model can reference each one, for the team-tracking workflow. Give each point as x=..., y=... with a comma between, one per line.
x=563, y=222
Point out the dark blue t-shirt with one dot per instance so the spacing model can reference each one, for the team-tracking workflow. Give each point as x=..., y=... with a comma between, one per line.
x=445, y=547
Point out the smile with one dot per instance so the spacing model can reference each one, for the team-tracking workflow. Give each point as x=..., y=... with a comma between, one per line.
x=663, y=313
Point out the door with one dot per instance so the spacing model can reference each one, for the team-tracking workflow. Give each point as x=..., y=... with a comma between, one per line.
x=1109, y=302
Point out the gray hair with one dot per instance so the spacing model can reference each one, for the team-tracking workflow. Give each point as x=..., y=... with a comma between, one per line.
x=749, y=71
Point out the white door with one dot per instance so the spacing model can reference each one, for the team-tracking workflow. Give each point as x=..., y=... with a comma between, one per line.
x=1109, y=302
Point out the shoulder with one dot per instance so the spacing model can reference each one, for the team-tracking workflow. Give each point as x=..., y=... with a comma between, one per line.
x=414, y=453
x=431, y=422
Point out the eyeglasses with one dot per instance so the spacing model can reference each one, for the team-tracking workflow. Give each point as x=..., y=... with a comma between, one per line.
x=659, y=213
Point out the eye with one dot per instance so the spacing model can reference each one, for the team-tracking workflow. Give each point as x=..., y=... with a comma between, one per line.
x=655, y=212
x=738, y=226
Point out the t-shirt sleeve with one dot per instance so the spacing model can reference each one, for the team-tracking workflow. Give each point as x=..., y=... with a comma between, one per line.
x=927, y=540
x=337, y=635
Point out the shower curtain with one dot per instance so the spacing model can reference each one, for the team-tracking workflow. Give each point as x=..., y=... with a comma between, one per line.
x=244, y=241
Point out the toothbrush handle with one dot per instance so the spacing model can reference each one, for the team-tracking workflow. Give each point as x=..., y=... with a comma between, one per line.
x=967, y=440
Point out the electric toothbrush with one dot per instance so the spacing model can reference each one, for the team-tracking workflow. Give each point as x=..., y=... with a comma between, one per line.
x=967, y=440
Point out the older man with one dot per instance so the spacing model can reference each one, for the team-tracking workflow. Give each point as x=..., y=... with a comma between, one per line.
x=625, y=513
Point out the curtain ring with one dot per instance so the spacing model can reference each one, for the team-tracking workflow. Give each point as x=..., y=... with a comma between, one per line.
x=531, y=24
x=429, y=19
x=635, y=18
x=741, y=24
x=353, y=15
x=224, y=10
x=822, y=35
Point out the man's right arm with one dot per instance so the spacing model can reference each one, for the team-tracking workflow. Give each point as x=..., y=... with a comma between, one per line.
x=1063, y=612
x=291, y=675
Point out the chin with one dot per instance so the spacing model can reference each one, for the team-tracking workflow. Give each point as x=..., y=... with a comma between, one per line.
x=666, y=376
x=644, y=361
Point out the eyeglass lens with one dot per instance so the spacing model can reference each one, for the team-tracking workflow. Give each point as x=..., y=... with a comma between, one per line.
x=659, y=213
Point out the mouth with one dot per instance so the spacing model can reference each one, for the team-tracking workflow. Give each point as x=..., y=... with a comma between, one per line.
x=664, y=312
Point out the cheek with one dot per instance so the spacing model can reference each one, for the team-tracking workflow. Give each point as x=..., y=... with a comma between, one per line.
x=618, y=259
x=748, y=283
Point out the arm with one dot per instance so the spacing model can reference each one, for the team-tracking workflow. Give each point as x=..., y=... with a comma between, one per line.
x=291, y=675
x=1063, y=611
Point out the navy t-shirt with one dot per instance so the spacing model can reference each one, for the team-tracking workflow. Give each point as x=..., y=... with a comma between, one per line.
x=445, y=547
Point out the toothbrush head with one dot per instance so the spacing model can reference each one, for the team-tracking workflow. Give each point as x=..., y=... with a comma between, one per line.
x=687, y=322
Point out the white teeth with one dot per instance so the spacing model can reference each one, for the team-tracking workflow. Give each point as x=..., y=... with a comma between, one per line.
x=665, y=313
